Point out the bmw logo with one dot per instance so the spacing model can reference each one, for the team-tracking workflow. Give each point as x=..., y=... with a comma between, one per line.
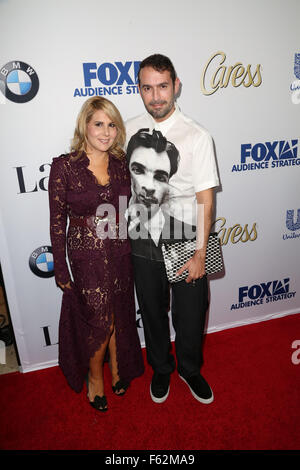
x=41, y=262
x=18, y=81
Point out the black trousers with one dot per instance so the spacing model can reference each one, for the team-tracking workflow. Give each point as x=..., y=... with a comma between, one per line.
x=189, y=303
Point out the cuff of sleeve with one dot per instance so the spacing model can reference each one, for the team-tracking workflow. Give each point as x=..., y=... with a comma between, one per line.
x=62, y=274
x=208, y=185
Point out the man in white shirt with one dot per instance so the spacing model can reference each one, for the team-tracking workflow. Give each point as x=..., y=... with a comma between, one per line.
x=171, y=191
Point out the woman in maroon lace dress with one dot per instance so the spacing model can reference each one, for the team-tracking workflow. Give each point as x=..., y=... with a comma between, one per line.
x=89, y=189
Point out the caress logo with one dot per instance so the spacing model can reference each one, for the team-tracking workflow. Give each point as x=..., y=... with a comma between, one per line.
x=109, y=78
x=217, y=75
x=236, y=233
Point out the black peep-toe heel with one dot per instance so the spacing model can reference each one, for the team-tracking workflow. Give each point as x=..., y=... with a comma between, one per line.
x=119, y=386
x=99, y=403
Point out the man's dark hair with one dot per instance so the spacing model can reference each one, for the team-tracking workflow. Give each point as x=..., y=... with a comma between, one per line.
x=160, y=63
x=157, y=142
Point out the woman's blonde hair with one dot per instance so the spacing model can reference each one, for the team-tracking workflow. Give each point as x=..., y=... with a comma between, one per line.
x=79, y=142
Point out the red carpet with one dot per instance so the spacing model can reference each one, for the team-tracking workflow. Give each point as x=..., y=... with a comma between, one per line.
x=256, y=407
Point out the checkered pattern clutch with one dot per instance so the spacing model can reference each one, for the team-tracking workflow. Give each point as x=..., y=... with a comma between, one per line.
x=177, y=254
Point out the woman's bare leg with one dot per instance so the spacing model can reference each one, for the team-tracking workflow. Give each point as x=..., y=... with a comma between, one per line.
x=113, y=361
x=96, y=383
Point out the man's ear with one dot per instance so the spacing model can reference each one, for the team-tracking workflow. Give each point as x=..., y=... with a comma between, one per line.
x=177, y=86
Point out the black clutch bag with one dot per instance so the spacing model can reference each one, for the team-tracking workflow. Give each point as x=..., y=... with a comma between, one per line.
x=178, y=253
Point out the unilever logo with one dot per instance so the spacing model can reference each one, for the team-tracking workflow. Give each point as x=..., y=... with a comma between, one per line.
x=109, y=78
x=297, y=66
x=295, y=86
x=292, y=223
x=264, y=292
x=267, y=155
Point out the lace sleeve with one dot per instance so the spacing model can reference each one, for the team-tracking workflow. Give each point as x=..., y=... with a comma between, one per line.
x=58, y=219
x=125, y=170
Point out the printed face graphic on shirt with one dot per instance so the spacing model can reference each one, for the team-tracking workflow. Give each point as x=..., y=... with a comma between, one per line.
x=150, y=172
x=152, y=160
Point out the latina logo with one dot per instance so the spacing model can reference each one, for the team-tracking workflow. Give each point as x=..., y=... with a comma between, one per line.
x=41, y=262
x=18, y=81
x=216, y=75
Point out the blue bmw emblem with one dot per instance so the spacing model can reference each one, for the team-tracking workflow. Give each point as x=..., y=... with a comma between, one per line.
x=41, y=262
x=18, y=81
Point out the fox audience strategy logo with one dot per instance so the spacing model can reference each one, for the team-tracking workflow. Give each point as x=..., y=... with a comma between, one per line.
x=267, y=155
x=264, y=292
x=114, y=78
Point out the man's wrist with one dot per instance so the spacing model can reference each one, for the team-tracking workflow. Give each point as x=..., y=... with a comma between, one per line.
x=200, y=254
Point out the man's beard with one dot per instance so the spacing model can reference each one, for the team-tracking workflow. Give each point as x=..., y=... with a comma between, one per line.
x=160, y=113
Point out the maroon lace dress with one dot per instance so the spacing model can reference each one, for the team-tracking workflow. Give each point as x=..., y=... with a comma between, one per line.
x=102, y=287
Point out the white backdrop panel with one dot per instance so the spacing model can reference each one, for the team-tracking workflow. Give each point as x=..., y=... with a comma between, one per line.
x=56, y=38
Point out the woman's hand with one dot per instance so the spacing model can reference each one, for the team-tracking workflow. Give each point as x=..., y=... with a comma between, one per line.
x=64, y=286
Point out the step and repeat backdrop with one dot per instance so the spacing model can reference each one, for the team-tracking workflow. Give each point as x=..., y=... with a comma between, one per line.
x=239, y=66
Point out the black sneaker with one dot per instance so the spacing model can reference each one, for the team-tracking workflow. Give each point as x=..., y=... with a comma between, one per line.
x=199, y=388
x=160, y=387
